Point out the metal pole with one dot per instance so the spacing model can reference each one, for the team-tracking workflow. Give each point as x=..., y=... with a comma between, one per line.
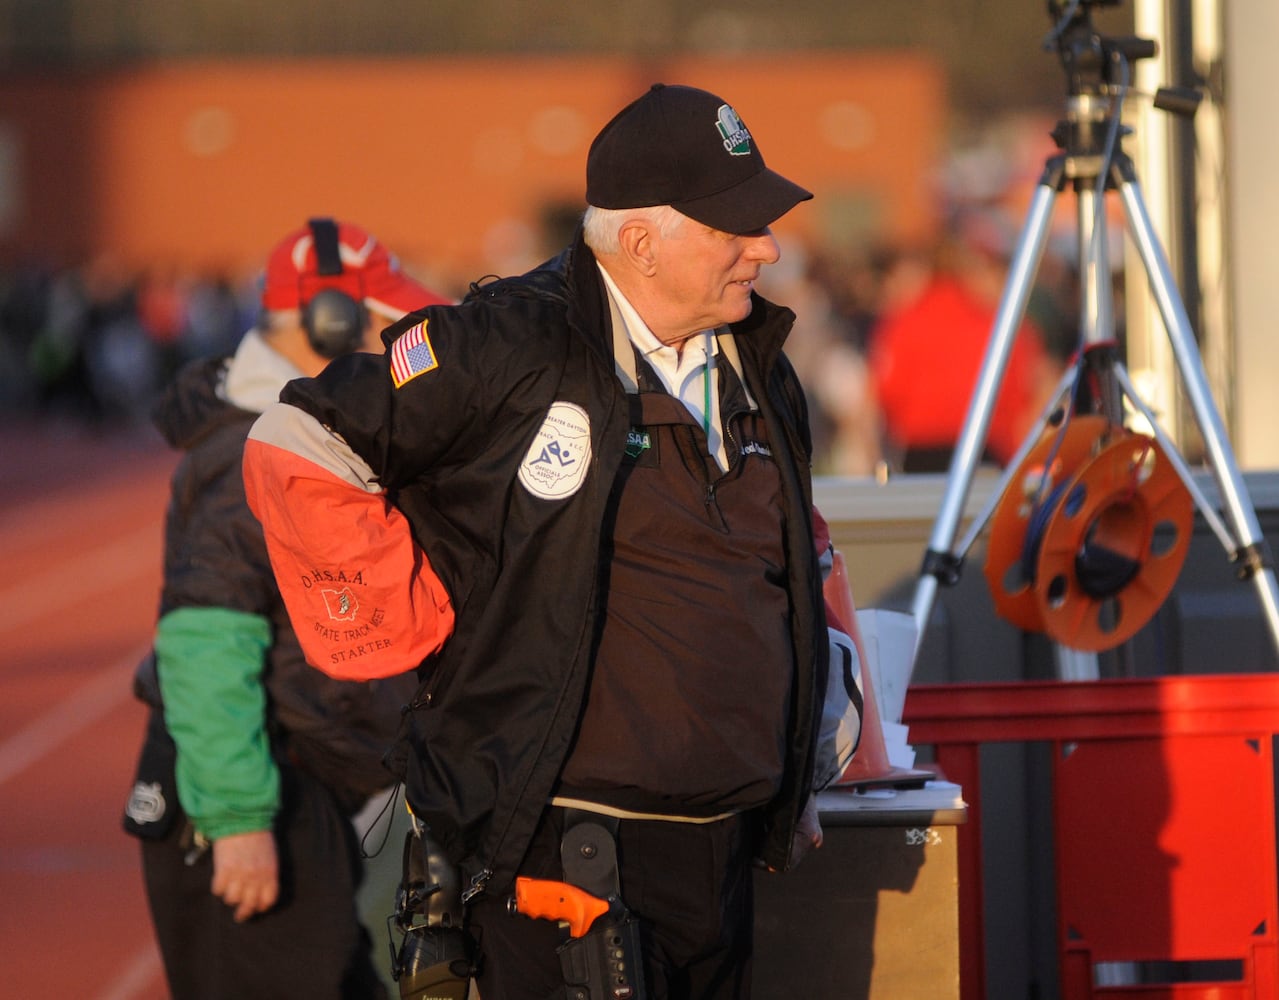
x=940, y=560
x=1253, y=557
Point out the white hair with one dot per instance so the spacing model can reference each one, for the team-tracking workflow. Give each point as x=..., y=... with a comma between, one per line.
x=600, y=226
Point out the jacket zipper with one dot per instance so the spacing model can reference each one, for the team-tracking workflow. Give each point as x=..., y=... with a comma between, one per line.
x=478, y=884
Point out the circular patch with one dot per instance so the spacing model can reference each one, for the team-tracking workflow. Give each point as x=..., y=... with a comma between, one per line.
x=556, y=463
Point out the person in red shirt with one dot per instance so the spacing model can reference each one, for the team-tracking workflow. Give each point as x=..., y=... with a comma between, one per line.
x=926, y=355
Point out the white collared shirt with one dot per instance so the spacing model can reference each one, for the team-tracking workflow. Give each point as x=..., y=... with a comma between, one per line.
x=690, y=374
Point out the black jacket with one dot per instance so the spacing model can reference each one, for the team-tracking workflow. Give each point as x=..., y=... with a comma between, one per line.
x=499, y=708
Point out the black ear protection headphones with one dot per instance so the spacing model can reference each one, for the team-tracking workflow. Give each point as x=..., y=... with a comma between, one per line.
x=334, y=322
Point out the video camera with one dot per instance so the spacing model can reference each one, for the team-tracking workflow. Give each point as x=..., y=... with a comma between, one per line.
x=1088, y=56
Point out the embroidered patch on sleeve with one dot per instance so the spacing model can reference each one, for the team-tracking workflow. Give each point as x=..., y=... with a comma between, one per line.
x=411, y=355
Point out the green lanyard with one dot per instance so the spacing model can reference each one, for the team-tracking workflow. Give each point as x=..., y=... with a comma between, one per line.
x=706, y=388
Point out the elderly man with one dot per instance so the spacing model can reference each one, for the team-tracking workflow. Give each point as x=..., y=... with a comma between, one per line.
x=579, y=503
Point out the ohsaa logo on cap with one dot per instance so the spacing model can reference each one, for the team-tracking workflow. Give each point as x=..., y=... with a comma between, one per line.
x=737, y=139
x=556, y=462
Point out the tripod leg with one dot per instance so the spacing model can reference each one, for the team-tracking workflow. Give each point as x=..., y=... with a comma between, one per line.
x=1214, y=521
x=1253, y=557
x=940, y=561
x=1054, y=404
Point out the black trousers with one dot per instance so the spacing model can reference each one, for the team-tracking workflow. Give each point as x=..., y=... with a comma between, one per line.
x=689, y=884
x=311, y=944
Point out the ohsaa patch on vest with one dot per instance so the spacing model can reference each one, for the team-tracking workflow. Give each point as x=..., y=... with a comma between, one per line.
x=641, y=448
x=556, y=462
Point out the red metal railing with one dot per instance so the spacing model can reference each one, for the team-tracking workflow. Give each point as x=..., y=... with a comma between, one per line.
x=1161, y=751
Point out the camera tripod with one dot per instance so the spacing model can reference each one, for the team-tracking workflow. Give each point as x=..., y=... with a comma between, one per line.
x=1092, y=162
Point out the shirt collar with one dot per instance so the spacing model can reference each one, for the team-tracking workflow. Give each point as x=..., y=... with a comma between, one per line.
x=663, y=357
x=256, y=374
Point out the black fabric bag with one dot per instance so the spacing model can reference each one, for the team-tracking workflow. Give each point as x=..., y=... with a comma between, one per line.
x=152, y=805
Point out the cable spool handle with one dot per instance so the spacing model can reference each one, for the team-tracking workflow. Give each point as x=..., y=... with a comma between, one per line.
x=1025, y=509
x=1112, y=551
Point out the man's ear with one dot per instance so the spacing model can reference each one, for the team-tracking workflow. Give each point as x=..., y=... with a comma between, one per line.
x=639, y=243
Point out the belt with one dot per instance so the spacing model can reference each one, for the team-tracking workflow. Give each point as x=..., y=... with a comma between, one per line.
x=602, y=810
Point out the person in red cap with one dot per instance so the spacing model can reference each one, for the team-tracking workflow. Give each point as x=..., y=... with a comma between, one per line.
x=327, y=256
x=579, y=506
x=253, y=764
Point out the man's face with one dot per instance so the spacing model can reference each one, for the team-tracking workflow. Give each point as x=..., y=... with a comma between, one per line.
x=705, y=276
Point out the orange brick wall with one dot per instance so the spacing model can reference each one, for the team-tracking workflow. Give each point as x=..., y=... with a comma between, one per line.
x=452, y=161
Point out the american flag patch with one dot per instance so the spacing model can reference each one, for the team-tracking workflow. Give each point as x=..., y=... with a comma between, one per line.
x=411, y=355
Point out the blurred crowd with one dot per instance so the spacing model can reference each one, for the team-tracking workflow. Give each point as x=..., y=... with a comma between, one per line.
x=888, y=340
x=94, y=345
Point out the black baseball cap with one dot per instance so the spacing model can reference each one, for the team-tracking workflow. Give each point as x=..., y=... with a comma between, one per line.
x=687, y=148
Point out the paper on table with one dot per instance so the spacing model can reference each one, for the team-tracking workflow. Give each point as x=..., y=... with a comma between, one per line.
x=889, y=640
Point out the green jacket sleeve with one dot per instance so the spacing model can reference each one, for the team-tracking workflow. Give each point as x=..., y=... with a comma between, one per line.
x=210, y=663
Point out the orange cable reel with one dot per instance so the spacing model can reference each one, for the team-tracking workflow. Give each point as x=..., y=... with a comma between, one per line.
x=1113, y=547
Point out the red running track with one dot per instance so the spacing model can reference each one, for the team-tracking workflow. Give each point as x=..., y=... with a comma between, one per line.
x=80, y=535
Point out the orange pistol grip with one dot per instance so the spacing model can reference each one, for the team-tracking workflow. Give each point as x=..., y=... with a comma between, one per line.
x=551, y=900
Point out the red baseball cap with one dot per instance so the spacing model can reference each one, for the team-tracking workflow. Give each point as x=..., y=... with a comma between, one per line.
x=330, y=254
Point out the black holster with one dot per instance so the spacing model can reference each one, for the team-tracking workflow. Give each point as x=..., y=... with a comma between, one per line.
x=607, y=962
